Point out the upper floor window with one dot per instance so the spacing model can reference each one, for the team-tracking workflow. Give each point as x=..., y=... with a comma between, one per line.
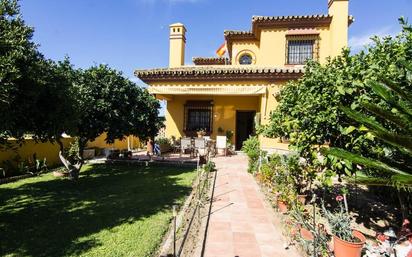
x=245, y=59
x=299, y=51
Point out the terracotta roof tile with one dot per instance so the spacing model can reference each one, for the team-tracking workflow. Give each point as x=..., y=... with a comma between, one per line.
x=211, y=60
x=218, y=73
x=290, y=17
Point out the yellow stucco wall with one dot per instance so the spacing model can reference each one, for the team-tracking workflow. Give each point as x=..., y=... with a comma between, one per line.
x=266, y=54
x=339, y=26
x=118, y=144
x=224, y=112
x=269, y=48
x=50, y=151
x=43, y=150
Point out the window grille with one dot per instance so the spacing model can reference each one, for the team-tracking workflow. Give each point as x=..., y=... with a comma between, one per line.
x=245, y=59
x=299, y=51
x=198, y=115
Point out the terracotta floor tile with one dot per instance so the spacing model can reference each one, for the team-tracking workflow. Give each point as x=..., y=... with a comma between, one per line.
x=241, y=223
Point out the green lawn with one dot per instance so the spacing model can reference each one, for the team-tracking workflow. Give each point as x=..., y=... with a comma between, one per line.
x=110, y=211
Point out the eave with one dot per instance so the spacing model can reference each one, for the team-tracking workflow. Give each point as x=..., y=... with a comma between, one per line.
x=218, y=74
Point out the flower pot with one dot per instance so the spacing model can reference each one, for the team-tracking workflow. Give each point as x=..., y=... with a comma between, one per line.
x=306, y=234
x=302, y=199
x=282, y=206
x=342, y=248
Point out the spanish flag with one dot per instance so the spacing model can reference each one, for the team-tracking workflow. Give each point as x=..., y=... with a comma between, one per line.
x=222, y=50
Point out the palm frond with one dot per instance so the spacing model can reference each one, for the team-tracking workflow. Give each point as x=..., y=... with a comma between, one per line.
x=390, y=96
x=356, y=158
x=397, y=119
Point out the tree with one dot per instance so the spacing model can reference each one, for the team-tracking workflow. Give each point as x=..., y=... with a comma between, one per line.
x=308, y=113
x=35, y=95
x=44, y=98
x=375, y=118
x=108, y=102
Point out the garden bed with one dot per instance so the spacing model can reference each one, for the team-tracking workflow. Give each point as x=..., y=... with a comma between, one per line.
x=372, y=209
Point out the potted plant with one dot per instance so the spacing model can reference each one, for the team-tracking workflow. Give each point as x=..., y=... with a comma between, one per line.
x=164, y=144
x=347, y=242
x=301, y=175
x=282, y=203
x=201, y=133
x=285, y=196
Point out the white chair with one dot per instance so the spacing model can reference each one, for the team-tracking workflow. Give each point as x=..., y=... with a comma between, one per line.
x=186, y=144
x=200, y=146
x=221, y=143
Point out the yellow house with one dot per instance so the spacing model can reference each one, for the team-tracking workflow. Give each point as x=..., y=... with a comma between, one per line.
x=236, y=92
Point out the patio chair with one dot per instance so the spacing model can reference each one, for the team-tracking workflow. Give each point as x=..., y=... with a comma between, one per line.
x=186, y=144
x=200, y=146
x=221, y=143
x=175, y=145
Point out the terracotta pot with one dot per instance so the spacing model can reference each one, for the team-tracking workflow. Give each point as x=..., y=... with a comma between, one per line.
x=306, y=234
x=342, y=248
x=302, y=199
x=282, y=207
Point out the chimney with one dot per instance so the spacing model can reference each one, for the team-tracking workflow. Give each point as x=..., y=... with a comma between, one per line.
x=339, y=10
x=177, y=45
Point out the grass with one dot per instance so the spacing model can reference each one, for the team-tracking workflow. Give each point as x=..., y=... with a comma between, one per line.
x=110, y=211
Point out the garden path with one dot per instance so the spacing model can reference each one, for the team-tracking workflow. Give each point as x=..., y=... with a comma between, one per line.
x=242, y=223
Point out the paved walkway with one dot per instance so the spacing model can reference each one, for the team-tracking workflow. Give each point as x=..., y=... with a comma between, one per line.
x=241, y=223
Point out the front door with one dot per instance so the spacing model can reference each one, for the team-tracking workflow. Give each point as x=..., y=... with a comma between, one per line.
x=245, y=127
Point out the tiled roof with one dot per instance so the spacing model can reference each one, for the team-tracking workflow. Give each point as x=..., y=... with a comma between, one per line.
x=210, y=60
x=218, y=73
x=290, y=17
x=238, y=32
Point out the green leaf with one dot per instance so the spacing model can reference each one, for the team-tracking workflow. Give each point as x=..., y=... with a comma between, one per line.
x=341, y=90
x=348, y=130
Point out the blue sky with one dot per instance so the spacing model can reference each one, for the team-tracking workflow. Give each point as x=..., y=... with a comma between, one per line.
x=130, y=34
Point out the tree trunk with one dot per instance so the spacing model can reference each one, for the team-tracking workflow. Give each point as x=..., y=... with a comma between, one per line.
x=72, y=168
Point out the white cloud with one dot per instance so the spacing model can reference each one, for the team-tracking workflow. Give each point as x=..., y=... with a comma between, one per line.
x=357, y=42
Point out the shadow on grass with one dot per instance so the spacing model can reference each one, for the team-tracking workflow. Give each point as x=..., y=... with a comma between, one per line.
x=46, y=217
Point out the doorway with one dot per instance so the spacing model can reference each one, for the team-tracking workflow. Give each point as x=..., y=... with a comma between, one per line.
x=245, y=127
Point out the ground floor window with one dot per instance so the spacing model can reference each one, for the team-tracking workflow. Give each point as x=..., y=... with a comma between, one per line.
x=198, y=116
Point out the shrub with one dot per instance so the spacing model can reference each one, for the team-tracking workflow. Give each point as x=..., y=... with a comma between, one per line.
x=210, y=166
x=163, y=141
x=252, y=149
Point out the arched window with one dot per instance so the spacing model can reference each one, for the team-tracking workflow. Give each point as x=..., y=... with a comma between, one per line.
x=245, y=59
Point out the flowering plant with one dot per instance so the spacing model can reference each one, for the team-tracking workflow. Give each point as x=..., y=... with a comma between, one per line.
x=340, y=221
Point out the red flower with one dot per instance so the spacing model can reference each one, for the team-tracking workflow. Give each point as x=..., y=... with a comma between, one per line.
x=339, y=198
x=381, y=237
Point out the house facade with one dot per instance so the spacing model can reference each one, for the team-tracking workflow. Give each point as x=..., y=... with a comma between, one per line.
x=239, y=91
